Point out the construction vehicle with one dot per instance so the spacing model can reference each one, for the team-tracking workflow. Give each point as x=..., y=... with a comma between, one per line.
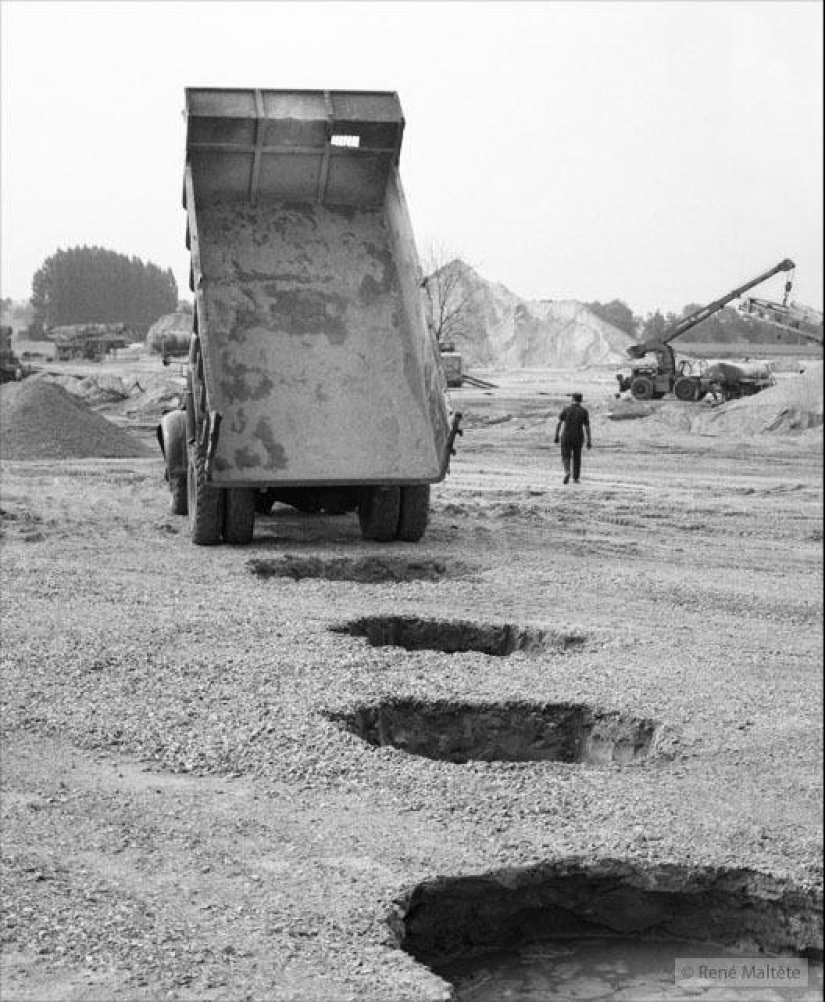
x=312, y=377
x=11, y=368
x=91, y=342
x=453, y=365
x=652, y=381
x=726, y=380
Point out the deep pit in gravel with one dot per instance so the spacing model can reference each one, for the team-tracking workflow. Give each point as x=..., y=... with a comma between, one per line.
x=458, y=636
x=364, y=569
x=602, y=931
x=503, y=732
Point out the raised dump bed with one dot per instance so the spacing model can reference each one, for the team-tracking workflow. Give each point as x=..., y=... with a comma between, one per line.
x=313, y=377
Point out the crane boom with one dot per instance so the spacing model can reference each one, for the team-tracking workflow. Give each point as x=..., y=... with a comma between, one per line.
x=660, y=346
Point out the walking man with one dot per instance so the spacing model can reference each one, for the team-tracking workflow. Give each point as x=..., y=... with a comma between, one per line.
x=576, y=423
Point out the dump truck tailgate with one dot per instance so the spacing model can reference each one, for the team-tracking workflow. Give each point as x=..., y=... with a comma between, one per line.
x=316, y=353
x=315, y=368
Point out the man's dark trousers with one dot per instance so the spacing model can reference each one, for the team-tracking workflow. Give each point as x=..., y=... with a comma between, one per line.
x=571, y=452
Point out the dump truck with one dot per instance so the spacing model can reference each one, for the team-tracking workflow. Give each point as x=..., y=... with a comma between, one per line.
x=651, y=381
x=312, y=377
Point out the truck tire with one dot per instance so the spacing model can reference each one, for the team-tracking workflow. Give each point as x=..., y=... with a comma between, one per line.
x=378, y=513
x=238, y=516
x=642, y=388
x=179, y=486
x=205, y=506
x=686, y=389
x=415, y=512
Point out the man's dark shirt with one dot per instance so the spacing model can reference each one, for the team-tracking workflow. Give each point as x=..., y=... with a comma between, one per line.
x=575, y=417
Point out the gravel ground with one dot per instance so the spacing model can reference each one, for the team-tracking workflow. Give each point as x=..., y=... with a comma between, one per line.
x=182, y=821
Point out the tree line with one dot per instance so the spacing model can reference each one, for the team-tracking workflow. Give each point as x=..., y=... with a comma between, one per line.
x=94, y=285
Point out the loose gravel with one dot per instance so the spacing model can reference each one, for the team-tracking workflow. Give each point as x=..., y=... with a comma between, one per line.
x=181, y=818
x=40, y=420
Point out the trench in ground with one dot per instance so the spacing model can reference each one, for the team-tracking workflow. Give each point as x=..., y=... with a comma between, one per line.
x=610, y=930
x=458, y=732
x=458, y=636
x=370, y=569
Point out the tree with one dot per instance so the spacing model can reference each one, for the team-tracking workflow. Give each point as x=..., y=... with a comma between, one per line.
x=653, y=326
x=617, y=313
x=94, y=285
x=447, y=295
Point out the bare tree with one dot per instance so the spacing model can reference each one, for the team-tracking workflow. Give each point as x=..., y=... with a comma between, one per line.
x=447, y=297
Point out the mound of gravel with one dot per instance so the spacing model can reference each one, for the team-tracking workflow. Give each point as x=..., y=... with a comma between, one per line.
x=40, y=420
x=793, y=405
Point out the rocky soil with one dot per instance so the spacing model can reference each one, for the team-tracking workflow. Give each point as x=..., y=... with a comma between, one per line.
x=184, y=816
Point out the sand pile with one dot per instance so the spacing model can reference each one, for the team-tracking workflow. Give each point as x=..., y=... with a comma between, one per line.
x=40, y=420
x=92, y=390
x=508, y=332
x=157, y=395
x=793, y=405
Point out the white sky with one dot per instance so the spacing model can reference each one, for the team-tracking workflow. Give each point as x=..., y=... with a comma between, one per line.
x=660, y=153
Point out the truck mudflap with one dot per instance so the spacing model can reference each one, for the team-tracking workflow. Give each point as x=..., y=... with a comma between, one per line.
x=171, y=435
x=316, y=352
x=449, y=448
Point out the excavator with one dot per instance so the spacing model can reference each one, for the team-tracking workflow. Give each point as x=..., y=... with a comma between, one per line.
x=653, y=381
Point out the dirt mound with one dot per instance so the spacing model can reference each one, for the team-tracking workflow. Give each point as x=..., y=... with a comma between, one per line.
x=793, y=405
x=509, y=332
x=93, y=390
x=40, y=420
x=629, y=410
x=155, y=394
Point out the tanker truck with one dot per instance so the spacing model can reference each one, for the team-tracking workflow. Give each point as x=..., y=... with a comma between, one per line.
x=728, y=380
x=312, y=377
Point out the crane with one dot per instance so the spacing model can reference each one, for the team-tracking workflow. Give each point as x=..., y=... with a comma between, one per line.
x=648, y=382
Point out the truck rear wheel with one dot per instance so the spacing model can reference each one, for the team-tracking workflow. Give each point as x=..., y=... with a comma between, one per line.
x=238, y=516
x=642, y=388
x=378, y=513
x=686, y=389
x=204, y=503
x=415, y=512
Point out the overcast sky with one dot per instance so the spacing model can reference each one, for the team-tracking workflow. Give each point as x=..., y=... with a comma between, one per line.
x=660, y=153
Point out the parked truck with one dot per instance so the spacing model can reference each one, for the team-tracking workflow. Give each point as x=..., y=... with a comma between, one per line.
x=453, y=364
x=312, y=377
x=11, y=368
x=91, y=342
x=652, y=380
